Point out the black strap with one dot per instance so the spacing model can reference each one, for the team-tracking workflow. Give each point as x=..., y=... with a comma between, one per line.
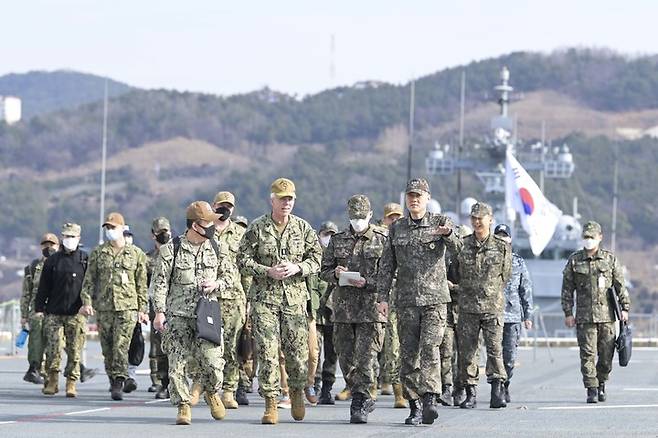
x=176, y=242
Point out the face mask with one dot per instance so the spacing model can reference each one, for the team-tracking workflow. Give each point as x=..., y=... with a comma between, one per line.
x=113, y=234
x=225, y=213
x=324, y=240
x=163, y=238
x=590, y=244
x=129, y=239
x=208, y=232
x=71, y=243
x=360, y=225
x=47, y=252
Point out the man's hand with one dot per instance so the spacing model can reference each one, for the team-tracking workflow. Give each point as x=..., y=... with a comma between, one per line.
x=24, y=320
x=86, y=310
x=143, y=317
x=443, y=230
x=570, y=321
x=276, y=272
x=383, y=308
x=527, y=324
x=289, y=269
x=208, y=286
x=338, y=270
x=36, y=315
x=159, y=322
x=360, y=283
x=624, y=315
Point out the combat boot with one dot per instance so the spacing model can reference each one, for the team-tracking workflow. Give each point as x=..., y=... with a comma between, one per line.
x=497, y=399
x=70, y=388
x=373, y=392
x=415, y=416
x=360, y=408
x=155, y=382
x=129, y=385
x=228, y=400
x=508, y=399
x=116, y=389
x=471, y=398
x=86, y=373
x=32, y=375
x=325, y=396
x=311, y=396
x=241, y=397
x=195, y=393
x=458, y=395
x=387, y=389
x=271, y=415
x=217, y=409
x=51, y=386
x=163, y=393
x=446, y=395
x=399, y=402
x=345, y=394
x=592, y=395
x=602, y=396
x=184, y=416
x=298, y=410
x=430, y=408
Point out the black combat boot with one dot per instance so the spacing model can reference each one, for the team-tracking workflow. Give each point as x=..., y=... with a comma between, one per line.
x=129, y=385
x=241, y=397
x=506, y=392
x=32, y=375
x=471, y=395
x=458, y=395
x=430, y=408
x=602, y=395
x=86, y=373
x=117, y=389
x=325, y=395
x=592, y=395
x=446, y=395
x=163, y=393
x=415, y=416
x=497, y=397
x=360, y=408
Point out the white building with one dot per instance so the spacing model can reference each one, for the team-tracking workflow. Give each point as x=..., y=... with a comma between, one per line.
x=10, y=109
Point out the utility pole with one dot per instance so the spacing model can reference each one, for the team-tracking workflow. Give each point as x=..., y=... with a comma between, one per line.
x=103, y=165
x=412, y=104
x=461, y=143
x=615, y=187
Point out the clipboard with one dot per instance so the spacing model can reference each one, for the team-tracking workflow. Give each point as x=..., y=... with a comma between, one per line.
x=345, y=277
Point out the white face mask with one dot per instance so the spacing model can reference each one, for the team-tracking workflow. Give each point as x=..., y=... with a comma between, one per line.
x=360, y=225
x=71, y=243
x=591, y=244
x=113, y=235
x=324, y=240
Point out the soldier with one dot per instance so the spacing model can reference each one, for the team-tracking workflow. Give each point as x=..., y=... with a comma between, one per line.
x=447, y=348
x=590, y=272
x=59, y=298
x=416, y=248
x=278, y=251
x=36, y=340
x=115, y=283
x=390, y=366
x=484, y=267
x=518, y=307
x=358, y=325
x=188, y=268
x=158, y=362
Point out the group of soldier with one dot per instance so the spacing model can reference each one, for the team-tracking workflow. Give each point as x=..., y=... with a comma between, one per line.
x=400, y=304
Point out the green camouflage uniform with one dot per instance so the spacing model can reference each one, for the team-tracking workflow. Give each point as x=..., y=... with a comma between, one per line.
x=74, y=328
x=390, y=361
x=483, y=270
x=358, y=325
x=158, y=362
x=37, y=340
x=279, y=306
x=115, y=286
x=590, y=278
x=417, y=252
x=176, y=293
x=448, y=347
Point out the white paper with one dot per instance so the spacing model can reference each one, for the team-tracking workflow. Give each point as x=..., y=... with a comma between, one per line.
x=345, y=277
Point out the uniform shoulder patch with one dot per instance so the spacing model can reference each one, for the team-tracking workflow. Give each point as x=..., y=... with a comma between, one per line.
x=167, y=250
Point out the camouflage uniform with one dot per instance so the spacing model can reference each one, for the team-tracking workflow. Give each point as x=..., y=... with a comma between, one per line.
x=518, y=308
x=279, y=306
x=74, y=329
x=158, y=363
x=390, y=360
x=417, y=252
x=326, y=374
x=590, y=278
x=37, y=339
x=176, y=293
x=115, y=286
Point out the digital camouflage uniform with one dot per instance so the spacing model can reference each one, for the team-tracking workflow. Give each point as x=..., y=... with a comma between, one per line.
x=158, y=362
x=74, y=330
x=37, y=339
x=590, y=278
x=417, y=252
x=278, y=307
x=115, y=286
x=326, y=374
x=178, y=300
x=518, y=308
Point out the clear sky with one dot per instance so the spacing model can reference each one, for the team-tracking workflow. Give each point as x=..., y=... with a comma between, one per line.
x=224, y=47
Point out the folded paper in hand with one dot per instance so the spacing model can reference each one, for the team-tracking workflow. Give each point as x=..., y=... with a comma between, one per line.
x=345, y=277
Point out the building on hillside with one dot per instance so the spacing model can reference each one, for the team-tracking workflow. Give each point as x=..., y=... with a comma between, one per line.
x=10, y=109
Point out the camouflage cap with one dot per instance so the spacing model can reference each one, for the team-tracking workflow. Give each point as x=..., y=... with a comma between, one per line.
x=591, y=230
x=115, y=219
x=418, y=185
x=224, y=197
x=392, y=208
x=160, y=224
x=201, y=211
x=328, y=227
x=480, y=209
x=358, y=207
x=71, y=229
x=49, y=238
x=241, y=220
x=282, y=187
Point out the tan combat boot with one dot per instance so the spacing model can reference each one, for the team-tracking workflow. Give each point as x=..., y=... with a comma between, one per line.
x=70, y=388
x=51, y=387
x=345, y=394
x=373, y=392
x=386, y=389
x=216, y=406
x=271, y=415
x=195, y=393
x=228, y=400
x=400, y=402
x=297, y=400
x=184, y=416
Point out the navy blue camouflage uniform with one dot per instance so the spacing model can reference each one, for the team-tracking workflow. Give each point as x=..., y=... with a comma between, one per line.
x=518, y=308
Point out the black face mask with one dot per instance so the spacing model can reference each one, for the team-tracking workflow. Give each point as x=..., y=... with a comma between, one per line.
x=225, y=213
x=163, y=238
x=208, y=232
x=47, y=252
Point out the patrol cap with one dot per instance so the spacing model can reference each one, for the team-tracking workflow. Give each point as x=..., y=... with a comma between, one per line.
x=591, y=230
x=328, y=227
x=282, y=187
x=224, y=197
x=49, y=238
x=503, y=229
x=201, y=211
x=126, y=231
x=418, y=185
x=115, y=219
x=358, y=207
x=392, y=208
x=241, y=220
x=481, y=209
x=70, y=229
x=160, y=224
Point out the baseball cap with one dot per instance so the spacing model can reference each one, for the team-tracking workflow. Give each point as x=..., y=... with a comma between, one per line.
x=591, y=230
x=49, y=238
x=160, y=224
x=115, y=219
x=224, y=197
x=70, y=229
x=481, y=209
x=201, y=211
x=358, y=207
x=282, y=187
x=503, y=229
x=418, y=185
